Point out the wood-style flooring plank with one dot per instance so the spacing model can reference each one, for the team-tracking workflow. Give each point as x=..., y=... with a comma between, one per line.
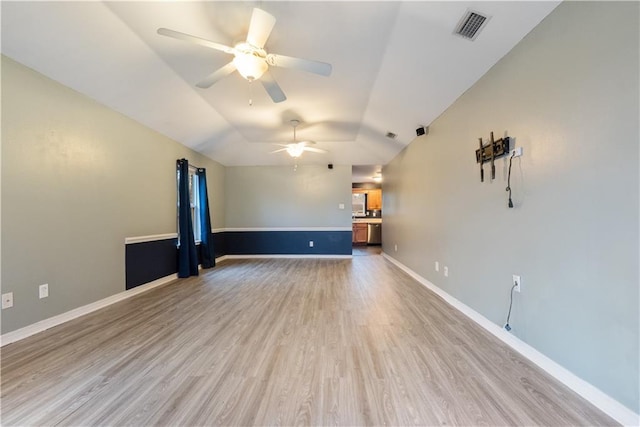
x=281, y=342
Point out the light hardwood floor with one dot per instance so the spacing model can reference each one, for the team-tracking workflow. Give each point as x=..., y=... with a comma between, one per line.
x=366, y=250
x=281, y=342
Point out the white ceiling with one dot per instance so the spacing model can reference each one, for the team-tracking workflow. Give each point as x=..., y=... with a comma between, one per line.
x=396, y=66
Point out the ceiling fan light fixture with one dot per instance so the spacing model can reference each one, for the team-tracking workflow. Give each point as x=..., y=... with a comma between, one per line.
x=249, y=65
x=295, y=150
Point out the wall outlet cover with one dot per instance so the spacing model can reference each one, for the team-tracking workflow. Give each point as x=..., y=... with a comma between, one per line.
x=43, y=291
x=7, y=300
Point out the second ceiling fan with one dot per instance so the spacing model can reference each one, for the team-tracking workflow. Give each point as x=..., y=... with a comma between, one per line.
x=296, y=148
x=251, y=60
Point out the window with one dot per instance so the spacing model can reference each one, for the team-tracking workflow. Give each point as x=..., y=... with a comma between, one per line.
x=194, y=201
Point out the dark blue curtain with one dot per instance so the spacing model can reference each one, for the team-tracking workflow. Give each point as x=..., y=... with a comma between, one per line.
x=187, y=254
x=208, y=259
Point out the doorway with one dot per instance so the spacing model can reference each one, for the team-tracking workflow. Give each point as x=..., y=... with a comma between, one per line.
x=366, y=210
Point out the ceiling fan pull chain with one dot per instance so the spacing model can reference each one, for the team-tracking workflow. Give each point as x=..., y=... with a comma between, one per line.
x=250, y=94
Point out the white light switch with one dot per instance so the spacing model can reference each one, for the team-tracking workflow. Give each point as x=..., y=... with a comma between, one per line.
x=310, y=243
x=341, y=206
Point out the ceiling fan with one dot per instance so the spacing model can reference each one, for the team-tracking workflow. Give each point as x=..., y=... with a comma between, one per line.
x=251, y=60
x=295, y=148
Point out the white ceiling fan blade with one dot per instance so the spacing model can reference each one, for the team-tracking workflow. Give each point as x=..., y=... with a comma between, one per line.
x=260, y=27
x=272, y=87
x=315, y=150
x=278, y=151
x=219, y=74
x=193, y=39
x=316, y=67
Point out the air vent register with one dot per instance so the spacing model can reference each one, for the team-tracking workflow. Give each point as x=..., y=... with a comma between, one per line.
x=471, y=24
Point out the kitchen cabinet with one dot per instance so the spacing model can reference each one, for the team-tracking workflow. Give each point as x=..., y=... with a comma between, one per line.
x=359, y=234
x=374, y=200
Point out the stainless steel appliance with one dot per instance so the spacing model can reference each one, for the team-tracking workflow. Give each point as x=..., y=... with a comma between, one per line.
x=374, y=234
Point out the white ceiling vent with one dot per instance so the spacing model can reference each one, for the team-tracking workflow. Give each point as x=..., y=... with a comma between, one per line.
x=471, y=24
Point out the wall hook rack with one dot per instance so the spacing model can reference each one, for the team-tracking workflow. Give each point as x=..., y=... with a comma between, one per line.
x=490, y=152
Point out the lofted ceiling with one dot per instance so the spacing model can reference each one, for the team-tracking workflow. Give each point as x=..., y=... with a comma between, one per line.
x=396, y=66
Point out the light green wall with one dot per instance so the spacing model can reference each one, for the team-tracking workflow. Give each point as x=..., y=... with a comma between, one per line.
x=77, y=178
x=568, y=94
x=279, y=196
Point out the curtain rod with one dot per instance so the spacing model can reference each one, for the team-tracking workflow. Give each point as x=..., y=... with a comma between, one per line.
x=190, y=165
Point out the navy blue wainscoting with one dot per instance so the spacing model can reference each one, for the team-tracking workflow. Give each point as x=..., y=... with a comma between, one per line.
x=219, y=244
x=287, y=242
x=148, y=261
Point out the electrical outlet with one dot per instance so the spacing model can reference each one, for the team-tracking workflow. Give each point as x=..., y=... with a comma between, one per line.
x=517, y=282
x=310, y=243
x=437, y=266
x=43, y=291
x=341, y=206
x=516, y=152
x=446, y=271
x=395, y=247
x=7, y=300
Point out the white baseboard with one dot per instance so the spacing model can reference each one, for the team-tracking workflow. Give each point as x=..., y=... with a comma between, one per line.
x=595, y=396
x=288, y=256
x=45, y=324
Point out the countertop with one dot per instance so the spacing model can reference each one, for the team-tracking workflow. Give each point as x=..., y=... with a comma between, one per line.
x=367, y=220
